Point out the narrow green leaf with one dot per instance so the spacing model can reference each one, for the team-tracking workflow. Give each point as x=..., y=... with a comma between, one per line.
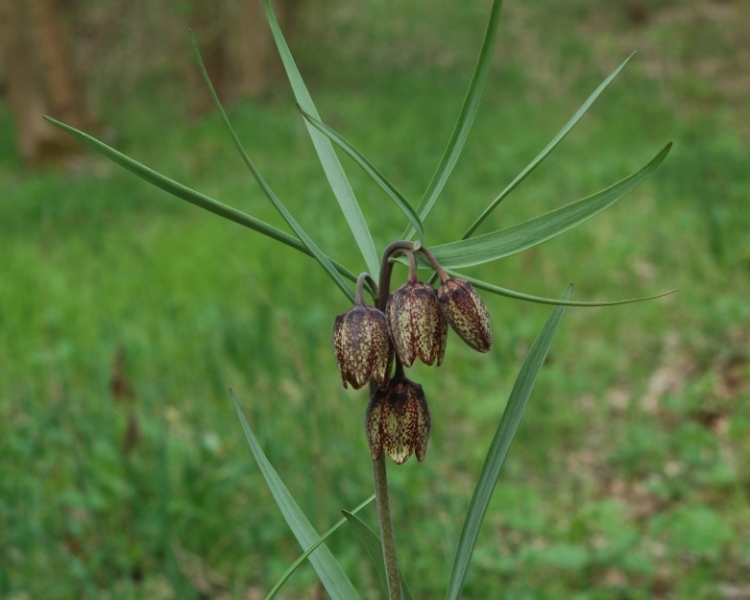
x=312, y=548
x=371, y=542
x=478, y=283
x=331, y=165
x=499, y=449
x=190, y=195
x=547, y=150
x=287, y=216
x=491, y=246
x=368, y=168
x=465, y=119
x=326, y=566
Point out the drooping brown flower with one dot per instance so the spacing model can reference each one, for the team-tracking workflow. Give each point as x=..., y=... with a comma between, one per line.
x=416, y=325
x=398, y=421
x=466, y=313
x=362, y=346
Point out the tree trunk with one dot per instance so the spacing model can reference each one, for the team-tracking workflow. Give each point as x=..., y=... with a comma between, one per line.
x=40, y=79
x=237, y=49
x=62, y=91
x=254, y=55
x=207, y=23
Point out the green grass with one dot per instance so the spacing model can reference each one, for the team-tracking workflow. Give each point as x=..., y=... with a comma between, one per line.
x=628, y=477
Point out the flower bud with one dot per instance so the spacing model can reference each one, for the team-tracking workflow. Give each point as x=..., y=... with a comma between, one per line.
x=466, y=313
x=416, y=324
x=362, y=347
x=398, y=421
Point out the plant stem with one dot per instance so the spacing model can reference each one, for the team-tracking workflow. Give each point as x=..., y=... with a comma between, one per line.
x=386, y=529
x=359, y=297
x=439, y=271
x=413, y=274
x=386, y=268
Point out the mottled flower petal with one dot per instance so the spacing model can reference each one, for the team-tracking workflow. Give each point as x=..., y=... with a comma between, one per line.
x=416, y=325
x=398, y=425
x=372, y=423
x=423, y=427
x=398, y=421
x=441, y=337
x=466, y=313
x=362, y=346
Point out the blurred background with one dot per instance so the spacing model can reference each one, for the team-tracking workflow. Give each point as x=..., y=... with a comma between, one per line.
x=125, y=314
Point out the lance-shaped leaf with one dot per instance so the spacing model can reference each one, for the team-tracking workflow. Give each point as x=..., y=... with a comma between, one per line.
x=491, y=246
x=293, y=567
x=500, y=291
x=331, y=574
x=547, y=150
x=368, y=168
x=499, y=449
x=465, y=119
x=371, y=543
x=278, y=205
x=189, y=195
x=331, y=165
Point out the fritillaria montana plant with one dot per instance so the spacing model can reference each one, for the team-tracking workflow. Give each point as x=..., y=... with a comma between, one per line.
x=374, y=343
x=414, y=325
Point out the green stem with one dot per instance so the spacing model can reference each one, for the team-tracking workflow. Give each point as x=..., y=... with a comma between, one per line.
x=413, y=274
x=386, y=268
x=359, y=298
x=386, y=529
x=439, y=271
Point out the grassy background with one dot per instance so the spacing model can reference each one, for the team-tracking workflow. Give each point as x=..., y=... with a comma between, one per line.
x=125, y=314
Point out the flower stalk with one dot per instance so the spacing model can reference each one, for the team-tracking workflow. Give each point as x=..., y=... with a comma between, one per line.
x=380, y=476
x=387, y=538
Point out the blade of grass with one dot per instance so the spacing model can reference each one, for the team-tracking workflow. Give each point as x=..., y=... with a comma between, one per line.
x=331, y=165
x=478, y=283
x=326, y=566
x=499, y=449
x=491, y=246
x=287, y=216
x=312, y=548
x=547, y=150
x=190, y=195
x=465, y=119
x=181, y=586
x=368, y=168
x=371, y=542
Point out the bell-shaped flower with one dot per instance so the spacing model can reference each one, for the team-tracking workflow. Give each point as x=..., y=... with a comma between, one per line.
x=416, y=325
x=362, y=346
x=466, y=313
x=398, y=421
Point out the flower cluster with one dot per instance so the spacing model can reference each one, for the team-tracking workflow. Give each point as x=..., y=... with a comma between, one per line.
x=414, y=325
